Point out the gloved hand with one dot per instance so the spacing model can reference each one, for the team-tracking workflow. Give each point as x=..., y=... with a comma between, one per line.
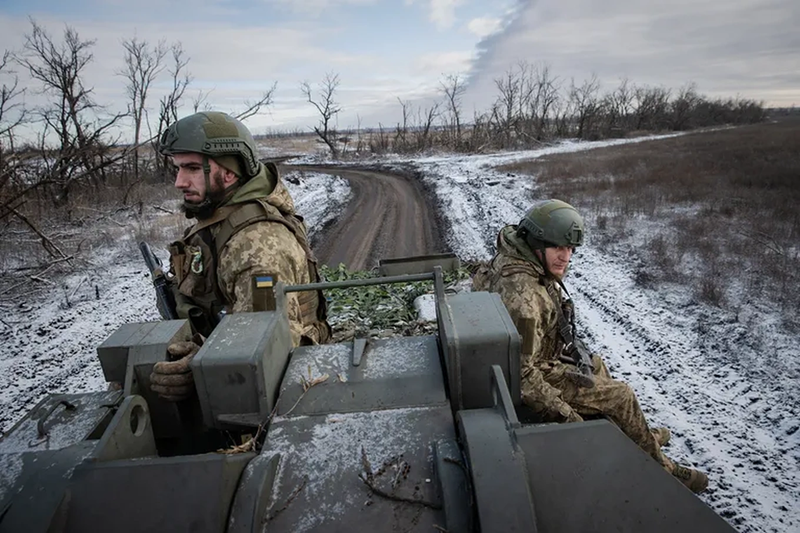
x=568, y=414
x=173, y=380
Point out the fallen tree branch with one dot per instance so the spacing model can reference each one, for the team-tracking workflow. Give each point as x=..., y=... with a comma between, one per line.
x=47, y=244
x=289, y=500
x=163, y=209
x=252, y=443
x=368, y=478
x=42, y=273
x=48, y=265
x=306, y=387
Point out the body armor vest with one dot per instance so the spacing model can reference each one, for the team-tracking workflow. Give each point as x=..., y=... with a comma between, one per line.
x=194, y=259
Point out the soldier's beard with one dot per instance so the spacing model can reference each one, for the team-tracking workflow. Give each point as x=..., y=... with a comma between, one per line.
x=212, y=199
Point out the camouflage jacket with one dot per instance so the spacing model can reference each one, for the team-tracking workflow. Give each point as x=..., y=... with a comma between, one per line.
x=226, y=259
x=518, y=276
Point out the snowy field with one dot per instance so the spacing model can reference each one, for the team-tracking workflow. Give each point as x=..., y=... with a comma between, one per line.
x=725, y=385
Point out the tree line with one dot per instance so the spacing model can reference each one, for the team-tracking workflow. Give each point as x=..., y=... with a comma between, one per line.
x=532, y=106
x=78, y=143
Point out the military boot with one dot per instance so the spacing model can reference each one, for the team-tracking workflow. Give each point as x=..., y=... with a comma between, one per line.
x=662, y=435
x=695, y=480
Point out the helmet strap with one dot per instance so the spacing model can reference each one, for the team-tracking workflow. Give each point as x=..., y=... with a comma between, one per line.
x=207, y=174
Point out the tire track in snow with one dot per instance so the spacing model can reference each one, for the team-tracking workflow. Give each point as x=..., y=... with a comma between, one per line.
x=697, y=370
x=701, y=396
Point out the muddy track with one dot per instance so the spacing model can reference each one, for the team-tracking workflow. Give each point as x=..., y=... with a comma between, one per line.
x=389, y=215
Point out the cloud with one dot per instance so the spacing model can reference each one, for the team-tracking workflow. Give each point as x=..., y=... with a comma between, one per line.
x=441, y=12
x=729, y=47
x=484, y=26
x=317, y=7
x=445, y=63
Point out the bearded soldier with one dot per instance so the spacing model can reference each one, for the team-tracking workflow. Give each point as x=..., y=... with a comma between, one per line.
x=246, y=238
x=561, y=381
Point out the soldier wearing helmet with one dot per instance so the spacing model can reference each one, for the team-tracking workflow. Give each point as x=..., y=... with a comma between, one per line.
x=527, y=271
x=246, y=238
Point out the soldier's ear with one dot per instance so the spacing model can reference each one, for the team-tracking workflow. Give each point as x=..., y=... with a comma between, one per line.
x=228, y=177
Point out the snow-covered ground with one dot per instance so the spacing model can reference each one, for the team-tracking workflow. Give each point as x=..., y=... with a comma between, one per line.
x=725, y=384
x=317, y=197
x=49, y=346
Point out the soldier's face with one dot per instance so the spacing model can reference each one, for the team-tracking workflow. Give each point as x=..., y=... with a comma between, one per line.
x=190, y=179
x=557, y=259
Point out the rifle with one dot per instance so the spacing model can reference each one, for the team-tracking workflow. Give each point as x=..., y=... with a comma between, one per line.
x=165, y=300
x=575, y=351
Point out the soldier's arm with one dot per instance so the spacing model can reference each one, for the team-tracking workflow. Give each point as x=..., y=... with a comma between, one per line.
x=527, y=306
x=262, y=251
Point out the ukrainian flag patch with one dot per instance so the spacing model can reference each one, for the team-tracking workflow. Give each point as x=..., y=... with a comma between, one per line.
x=263, y=282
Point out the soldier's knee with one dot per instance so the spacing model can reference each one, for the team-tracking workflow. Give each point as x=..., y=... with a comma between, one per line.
x=624, y=393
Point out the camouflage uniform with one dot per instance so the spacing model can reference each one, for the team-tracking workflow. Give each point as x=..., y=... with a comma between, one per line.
x=272, y=245
x=518, y=276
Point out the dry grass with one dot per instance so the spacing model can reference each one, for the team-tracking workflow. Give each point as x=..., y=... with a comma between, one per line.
x=290, y=144
x=727, y=204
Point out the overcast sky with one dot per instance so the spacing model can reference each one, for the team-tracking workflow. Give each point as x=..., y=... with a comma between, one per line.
x=389, y=49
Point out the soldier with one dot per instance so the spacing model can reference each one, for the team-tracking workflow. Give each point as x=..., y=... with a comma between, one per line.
x=246, y=238
x=527, y=271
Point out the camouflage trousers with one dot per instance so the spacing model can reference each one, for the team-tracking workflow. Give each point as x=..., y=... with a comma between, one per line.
x=610, y=399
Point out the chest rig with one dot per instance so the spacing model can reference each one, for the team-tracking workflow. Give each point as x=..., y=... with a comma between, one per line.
x=194, y=260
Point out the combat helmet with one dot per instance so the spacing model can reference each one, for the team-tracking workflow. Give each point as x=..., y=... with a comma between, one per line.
x=551, y=223
x=213, y=134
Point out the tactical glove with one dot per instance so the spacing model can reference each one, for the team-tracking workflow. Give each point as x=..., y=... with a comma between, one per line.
x=568, y=414
x=173, y=380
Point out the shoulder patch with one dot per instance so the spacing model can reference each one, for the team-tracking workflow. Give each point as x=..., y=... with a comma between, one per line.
x=263, y=292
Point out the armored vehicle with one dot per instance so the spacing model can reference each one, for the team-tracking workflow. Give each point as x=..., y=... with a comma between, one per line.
x=403, y=434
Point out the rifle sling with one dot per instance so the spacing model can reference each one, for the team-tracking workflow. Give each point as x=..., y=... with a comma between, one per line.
x=565, y=328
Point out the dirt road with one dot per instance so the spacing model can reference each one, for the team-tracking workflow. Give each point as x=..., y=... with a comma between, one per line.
x=389, y=215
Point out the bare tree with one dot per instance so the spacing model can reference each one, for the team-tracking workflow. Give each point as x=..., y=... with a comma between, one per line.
x=327, y=107
x=683, y=106
x=546, y=96
x=650, y=107
x=83, y=150
x=200, y=102
x=585, y=103
x=12, y=114
x=562, y=117
x=168, y=108
x=254, y=107
x=453, y=88
x=143, y=64
x=617, y=110
x=504, y=112
x=426, y=118
x=401, y=130
x=359, y=135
